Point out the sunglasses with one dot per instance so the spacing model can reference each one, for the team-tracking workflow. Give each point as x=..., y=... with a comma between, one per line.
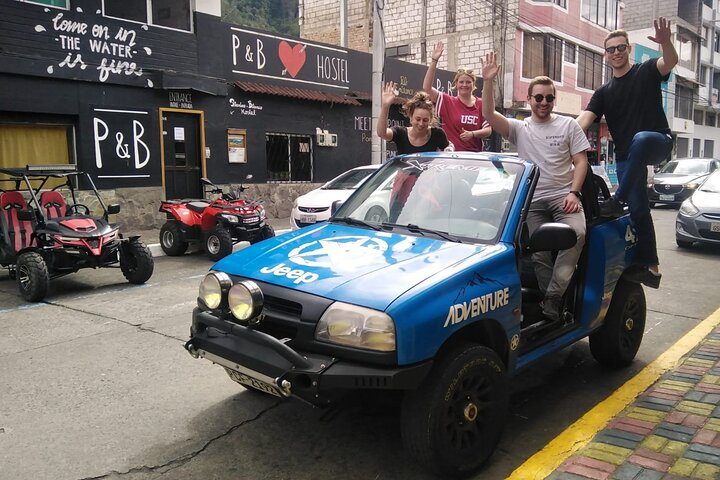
x=548, y=98
x=619, y=48
x=463, y=71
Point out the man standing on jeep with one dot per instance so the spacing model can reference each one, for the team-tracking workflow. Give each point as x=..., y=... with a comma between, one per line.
x=632, y=104
x=558, y=147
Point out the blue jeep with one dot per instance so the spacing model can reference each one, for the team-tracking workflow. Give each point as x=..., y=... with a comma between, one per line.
x=420, y=282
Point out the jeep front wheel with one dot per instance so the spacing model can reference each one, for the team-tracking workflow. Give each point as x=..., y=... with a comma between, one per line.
x=218, y=243
x=453, y=422
x=32, y=276
x=616, y=343
x=171, y=240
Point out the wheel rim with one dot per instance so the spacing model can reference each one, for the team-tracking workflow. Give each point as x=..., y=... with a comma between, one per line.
x=213, y=244
x=631, y=331
x=23, y=274
x=468, y=413
x=376, y=216
x=168, y=239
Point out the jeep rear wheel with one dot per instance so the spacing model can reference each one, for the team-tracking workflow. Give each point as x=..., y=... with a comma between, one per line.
x=218, y=243
x=453, y=422
x=616, y=343
x=136, y=261
x=171, y=240
x=32, y=276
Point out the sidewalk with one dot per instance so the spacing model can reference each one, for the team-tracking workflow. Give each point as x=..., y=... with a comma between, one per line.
x=669, y=431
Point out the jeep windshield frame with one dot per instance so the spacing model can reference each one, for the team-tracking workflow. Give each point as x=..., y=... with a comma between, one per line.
x=465, y=196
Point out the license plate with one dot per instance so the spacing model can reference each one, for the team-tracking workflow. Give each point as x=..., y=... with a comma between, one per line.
x=715, y=227
x=667, y=198
x=251, y=220
x=308, y=218
x=254, y=382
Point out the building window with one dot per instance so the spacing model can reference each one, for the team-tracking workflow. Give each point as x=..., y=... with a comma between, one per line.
x=717, y=42
x=683, y=102
x=542, y=55
x=164, y=13
x=696, y=147
x=49, y=3
x=570, y=54
x=681, y=147
x=559, y=3
x=710, y=119
x=289, y=157
x=36, y=144
x=399, y=51
x=698, y=118
x=601, y=12
x=709, y=149
x=590, y=69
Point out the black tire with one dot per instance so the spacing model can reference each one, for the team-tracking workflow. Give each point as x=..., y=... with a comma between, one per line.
x=265, y=232
x=32, y=276
x=218, y=243
x=453, y=422
x=376, y=215
x=136, y=262
x=616, y=343
x=683, y=243
x=171, y=240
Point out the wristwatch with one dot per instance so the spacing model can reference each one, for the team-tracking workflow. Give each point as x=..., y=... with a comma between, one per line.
x=576, y=193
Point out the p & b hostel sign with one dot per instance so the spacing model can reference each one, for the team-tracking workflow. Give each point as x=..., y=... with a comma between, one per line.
x=121, y=144
x=263, y=55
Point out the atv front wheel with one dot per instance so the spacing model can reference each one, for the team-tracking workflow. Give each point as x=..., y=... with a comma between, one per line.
x=218, y=243
x=136, y=261
x=265, y=232
x=616, y=343
x=171, y=240
x=32, y=276
x=453, y=422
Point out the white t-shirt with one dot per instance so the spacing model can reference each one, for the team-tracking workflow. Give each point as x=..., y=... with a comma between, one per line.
x=550, y=145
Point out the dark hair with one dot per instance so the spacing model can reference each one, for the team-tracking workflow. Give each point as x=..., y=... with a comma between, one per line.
x=419, y=100
x=617, y=33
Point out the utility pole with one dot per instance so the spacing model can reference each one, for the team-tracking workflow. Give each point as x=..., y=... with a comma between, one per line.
x=343, y=23
x=378, y=60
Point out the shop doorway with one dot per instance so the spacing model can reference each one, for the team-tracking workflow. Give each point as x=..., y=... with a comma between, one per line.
x=183, y=147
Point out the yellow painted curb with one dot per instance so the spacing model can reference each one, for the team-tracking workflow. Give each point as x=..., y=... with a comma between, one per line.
x=577, y=435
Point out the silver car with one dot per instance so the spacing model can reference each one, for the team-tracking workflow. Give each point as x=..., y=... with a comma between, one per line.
x=678, y=179
x=699, y=217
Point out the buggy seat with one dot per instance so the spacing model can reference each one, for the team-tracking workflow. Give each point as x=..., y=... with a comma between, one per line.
x=53, y=204
x=16, y=233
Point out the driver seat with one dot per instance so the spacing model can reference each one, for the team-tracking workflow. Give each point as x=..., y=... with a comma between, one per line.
x=53, y=205
x=18, y=233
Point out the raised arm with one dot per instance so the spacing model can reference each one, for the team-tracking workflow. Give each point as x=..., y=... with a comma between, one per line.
x=430, y=73
x=490, y=70
x=388, y=97
x=663, y=36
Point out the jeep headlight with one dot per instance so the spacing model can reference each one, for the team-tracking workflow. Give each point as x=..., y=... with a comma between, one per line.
x=230, y=218
x=688, y=208
x=213, y=289
x=355, y=326
x=245, y=300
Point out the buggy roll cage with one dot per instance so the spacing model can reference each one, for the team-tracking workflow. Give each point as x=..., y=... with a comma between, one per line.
x=43, y=173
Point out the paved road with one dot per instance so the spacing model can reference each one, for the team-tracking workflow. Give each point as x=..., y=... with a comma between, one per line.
x=95, y=384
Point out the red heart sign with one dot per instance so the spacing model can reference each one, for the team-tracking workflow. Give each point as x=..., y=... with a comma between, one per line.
x=292, y=58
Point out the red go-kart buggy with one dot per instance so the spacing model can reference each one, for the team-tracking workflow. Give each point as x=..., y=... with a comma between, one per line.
x=42, y=237
x=218, y=224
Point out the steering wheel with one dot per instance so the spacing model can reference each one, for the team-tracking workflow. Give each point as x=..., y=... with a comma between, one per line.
x=78, y=209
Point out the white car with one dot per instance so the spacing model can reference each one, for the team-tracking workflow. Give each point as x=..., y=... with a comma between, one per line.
x=315, y=205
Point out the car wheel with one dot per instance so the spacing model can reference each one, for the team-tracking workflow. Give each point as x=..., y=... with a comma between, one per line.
x=171, y=240
x=453, y=422
x=683, y=243
x=32, y=276
x=136, y=261
x=616, y=343
x=376, y=215
x=218, y=243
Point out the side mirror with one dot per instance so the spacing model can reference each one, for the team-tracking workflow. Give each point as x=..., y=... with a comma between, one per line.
x=113, y=208
x=551, y=236
x=335, y=206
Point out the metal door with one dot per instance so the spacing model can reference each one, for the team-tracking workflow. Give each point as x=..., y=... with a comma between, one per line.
x=181, y=144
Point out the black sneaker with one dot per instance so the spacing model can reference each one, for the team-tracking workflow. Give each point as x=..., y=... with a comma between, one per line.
x=552, y=307
x=611, y=208
x=644, y=275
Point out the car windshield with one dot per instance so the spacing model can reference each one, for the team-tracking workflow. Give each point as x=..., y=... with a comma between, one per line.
x=687, y=167
x=348, y=180
x=454, y=198
x=712, y=184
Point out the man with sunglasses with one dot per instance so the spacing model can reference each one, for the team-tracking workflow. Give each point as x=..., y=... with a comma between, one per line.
x=558, y=147
x=633, y=107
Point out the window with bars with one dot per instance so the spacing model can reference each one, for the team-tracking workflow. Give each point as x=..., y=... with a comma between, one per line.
x=601, y=12
x=542, y=55
x=684, y=102
x=590, y=69
x=570, y=52
x=164, y=13
x=289, y=157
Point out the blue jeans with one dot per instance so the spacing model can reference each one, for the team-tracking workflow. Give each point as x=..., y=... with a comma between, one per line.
x=646, y=148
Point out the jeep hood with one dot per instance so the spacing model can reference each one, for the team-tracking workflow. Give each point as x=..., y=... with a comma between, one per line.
x=350, y=264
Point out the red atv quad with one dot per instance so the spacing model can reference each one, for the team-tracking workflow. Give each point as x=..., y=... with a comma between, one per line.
x=218, y=224
x=49, y=238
